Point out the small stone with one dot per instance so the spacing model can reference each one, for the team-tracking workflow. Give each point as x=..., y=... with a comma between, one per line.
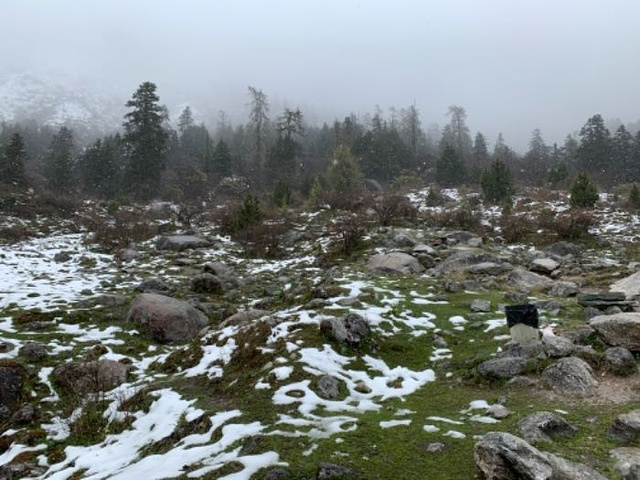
x=329, y=387
x=331, y=470
x=435, y=447
x=480, y=306
x=362, y=387
x=543, y=426
x=498, y=411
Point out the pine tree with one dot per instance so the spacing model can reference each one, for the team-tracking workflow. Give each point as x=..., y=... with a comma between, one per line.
x=634, y=197
x=59, y=162
x=622, y=155
x=12, y=162
x=594, y=152
x=343, y=176
x=584, y=193
x=146, y=139
x=221, y=161
x=450, y=169
x=496, y=182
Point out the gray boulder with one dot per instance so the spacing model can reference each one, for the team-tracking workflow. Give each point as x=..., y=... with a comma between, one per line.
x=620, y=361
x=33, y=351
x=626, y=427
x=328, y=471
x=525, y=280
x=423, y=249
x=153, y=285
x=84, y=377
x=564, y=289
x=351, y=328
x=206, y=283
x=395, y=263
x=619, y=330
x=465, y=238
x=479, y=305
x=218, y=269
x=474, y=261
x=570, y=376
x=630, y=286
x=544, y=265
x=562, y=249
x=502, y=456
x=544, y=426
x=245, y=317
x=166, y=319
x=329, y=387
x=627, y=462
x=556, y=346
x=11, y=387
x=179, y=243
x=506, y=367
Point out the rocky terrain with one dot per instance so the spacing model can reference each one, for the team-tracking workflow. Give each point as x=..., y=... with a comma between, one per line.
x=181, y=356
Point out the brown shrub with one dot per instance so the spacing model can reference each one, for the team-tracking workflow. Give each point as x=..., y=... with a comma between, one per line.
x=393, y=208
x=516, y=228
x=463, y=218
x=573, y=225
x=262, y=240
x=14, y=234
x=349, y=233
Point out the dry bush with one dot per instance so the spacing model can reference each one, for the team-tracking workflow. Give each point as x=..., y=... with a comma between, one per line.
x=463, y=218
x=574, y=225
x=349, y=202
x=516, y=228
x=263, y=240
x=349, y=233
x=545, y=220
x=46, y=203
x=127, y=227
x=14, y=234
x=393, y=208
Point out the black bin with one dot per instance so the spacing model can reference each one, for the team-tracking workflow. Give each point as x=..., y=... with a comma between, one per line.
x=526, y=314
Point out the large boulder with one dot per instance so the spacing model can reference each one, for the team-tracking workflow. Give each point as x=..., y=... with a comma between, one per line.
x=563, y=249
x=630, y=286
x=544, y=265
x=626, y=427
x=556, y=346
x=620, y=361
x=570, y=376
x=564, y=289
x=166, y=319
x=619, y=330
x=11, y=387
x=544, y=426
x=525, y=280
x=627, y=462
x=179, y=243
x=395, y=263
x=474, y=261
x=206, y=283
x=351, y=328
x=462, y=237
x=84, y=377
x=503, y=456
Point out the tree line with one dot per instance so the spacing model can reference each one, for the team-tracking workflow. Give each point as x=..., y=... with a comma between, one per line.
x=151, y=158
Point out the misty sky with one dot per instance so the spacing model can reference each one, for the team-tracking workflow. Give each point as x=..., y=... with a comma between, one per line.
x=513, y=64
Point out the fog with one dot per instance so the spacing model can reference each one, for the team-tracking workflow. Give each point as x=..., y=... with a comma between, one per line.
x=513, y=65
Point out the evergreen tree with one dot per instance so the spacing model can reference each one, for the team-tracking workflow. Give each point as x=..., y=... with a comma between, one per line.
x=456, y=134
x=221, y=165
x=100, y=167
x=496, y=182
x=622, y=155
x=281, y=162
x=290, y=123
x=343, y=176
x=185, y=121
x=634, y=197
x=146, y=140
x=450, y=169
x=537, y=157
x=411, y=130
x=258, y=126
x=584, y=193
x=594, y=152
x=59, y=162
x=12, y=162
x=481, y=157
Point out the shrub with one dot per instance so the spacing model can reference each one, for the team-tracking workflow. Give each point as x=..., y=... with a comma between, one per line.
x=349, y=233
x=281, y=195
x=246, y=214
x=574, y=225
x=262, y=240
x=515, y=228
x=391, y=208
x=496, y=182
x=434, y=197
x=584, y=193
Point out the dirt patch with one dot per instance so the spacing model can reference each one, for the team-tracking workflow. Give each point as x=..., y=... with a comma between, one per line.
x=611, y=390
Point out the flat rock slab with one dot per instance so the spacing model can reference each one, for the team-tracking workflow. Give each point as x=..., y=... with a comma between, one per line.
x=544, y=265
x=619, y=330
x=167, y=319
x=526, y=280
x=179, y=243
x=544, y=426
x=626, y=427
x=502, y=367
x=395, y=263
x=85, y=377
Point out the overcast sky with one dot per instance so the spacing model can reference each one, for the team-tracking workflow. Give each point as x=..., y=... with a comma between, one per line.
x=513, y=64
